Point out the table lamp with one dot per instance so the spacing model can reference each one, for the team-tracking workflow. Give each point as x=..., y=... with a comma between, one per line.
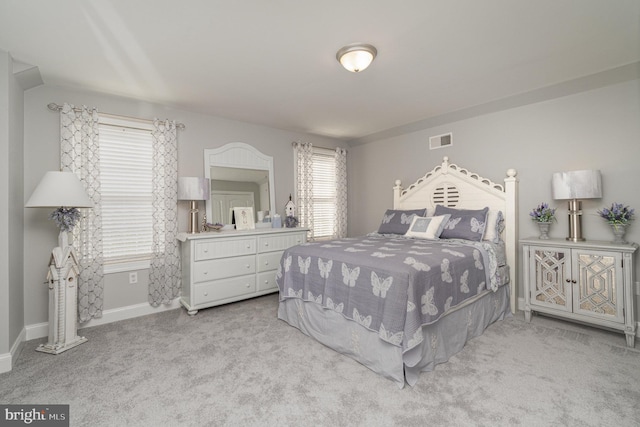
x=193, y=188
x=574, y=185
x=64, y=191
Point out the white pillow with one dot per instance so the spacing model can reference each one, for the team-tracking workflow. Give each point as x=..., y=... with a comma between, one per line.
x=494, y=226
x=429, y=227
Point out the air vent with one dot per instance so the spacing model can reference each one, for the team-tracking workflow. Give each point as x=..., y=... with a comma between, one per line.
x=441, y=141
x=447, y=195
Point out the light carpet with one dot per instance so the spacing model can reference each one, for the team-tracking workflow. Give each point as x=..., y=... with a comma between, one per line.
x=239, y=365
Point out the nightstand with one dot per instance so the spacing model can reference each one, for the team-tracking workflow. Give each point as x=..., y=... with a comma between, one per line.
x=588, y=282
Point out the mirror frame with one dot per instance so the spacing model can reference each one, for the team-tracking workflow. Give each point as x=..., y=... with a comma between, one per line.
x=241, y=156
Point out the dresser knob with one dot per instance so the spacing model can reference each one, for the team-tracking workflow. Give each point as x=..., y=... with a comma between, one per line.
x=568, y=281
x=248, y=285
x=206, y=272
x=266, y=263
x=573, y=281
x=248, y=266
x=206, y=293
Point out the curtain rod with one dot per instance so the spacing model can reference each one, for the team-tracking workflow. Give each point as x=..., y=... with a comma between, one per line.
x=55, y=107
x=293, y=144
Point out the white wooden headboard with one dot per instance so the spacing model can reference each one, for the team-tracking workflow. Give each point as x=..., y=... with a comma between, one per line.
x=452, y=186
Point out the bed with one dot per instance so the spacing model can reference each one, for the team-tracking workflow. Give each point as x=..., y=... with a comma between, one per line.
x=438, y=271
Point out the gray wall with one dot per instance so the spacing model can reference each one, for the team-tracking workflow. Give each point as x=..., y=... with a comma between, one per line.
x=41, y=140
x=595, y=129
x=11, y=211
x=5, y=72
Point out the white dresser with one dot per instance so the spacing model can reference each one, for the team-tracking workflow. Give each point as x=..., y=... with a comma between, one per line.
x=589, y=282
x=227, y=266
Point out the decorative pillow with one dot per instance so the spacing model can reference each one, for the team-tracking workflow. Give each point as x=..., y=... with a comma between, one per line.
x=463, y=224
x=428, y=227
x=495, y=225
x=398, y=221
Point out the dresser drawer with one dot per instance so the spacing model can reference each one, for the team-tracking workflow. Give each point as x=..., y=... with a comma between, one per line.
x=269, y=261
x=267, y=281
x=203, y=271
x=225, y=289
x=222, y=248
x=280, y=242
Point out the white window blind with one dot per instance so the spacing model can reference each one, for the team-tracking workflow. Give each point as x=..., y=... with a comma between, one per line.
x=126, y=152
x=324, y=193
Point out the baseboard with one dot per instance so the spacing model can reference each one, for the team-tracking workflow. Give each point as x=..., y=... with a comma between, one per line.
x=521, y=308
x=40, y=330
x=6, y=360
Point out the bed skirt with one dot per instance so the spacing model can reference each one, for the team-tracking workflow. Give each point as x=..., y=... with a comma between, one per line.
x=441, y=340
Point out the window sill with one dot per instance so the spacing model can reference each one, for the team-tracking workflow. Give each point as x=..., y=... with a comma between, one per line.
x=121, y=267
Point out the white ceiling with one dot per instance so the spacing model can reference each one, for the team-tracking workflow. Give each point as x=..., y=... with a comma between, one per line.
x=272, y=62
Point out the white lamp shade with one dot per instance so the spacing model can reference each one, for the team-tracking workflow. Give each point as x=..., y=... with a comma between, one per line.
x=59, y=189
x=356, y=57
x=582, y=184
x=193, y=188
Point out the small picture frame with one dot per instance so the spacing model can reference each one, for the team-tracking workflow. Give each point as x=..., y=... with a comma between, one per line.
x=244, y=218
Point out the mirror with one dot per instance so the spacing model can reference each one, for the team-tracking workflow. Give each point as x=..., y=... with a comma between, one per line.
x=240, y=176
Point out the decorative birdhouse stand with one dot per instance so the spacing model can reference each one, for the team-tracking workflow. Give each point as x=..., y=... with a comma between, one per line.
x=63, y=296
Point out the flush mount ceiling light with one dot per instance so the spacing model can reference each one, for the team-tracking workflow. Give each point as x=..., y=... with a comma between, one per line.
x=356, y=57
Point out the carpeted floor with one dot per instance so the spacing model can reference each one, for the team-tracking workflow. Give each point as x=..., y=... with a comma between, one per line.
x=238, y=365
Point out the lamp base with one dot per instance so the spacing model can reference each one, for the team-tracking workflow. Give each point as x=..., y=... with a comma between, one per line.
x=193, y=218
x=575, y=221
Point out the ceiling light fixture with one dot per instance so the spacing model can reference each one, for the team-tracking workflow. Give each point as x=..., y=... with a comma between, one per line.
x=356, y=57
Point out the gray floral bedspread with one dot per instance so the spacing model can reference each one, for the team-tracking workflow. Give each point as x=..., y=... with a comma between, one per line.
x=389, y=284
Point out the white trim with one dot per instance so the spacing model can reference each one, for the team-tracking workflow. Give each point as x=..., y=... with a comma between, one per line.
x=6, y=360
x=40, y=330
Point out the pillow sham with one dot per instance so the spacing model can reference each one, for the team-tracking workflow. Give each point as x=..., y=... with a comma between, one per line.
x=397, y=221
x=495, y=225
x=464, y=223
x=429, y=227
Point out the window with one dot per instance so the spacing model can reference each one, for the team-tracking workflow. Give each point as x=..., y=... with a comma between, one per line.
x=126, y=152
x=321, y=190
x=324, y=193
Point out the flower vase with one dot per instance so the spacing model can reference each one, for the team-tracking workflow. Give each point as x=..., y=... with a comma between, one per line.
x=544, y=230
x=618, y=232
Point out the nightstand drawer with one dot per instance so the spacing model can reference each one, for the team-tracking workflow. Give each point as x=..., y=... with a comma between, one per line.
x=225, y=289
x=223, y=248
x=204, y=271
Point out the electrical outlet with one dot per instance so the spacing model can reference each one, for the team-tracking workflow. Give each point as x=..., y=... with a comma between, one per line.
x=133, y=278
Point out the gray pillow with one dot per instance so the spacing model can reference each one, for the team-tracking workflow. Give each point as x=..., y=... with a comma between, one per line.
x=464, y=223
x=398, y=221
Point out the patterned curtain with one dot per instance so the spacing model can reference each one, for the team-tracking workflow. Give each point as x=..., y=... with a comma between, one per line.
x=340, y=228
x=164, y=273
x=79, y=153
x=304, y=181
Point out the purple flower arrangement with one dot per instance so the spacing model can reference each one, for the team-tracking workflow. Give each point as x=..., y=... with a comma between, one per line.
x=617, y=214
x=543, y=213
x=65, y=218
